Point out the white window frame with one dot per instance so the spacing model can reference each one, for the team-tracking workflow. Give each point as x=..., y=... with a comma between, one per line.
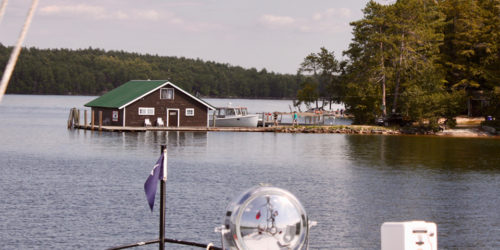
x=189, y=111
x=146, y=111
x=161, y=91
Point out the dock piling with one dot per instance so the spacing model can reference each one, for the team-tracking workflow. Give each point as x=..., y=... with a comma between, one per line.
x=100, y=121
x=69, y=118
x=85, y=118
x=77, y=121
x=92, y=120
x=73, y=118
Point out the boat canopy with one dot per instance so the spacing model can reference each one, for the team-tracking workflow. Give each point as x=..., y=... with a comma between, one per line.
x=231, y=111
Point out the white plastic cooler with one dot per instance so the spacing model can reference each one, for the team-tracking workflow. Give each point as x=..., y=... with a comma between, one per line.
x=409, y=235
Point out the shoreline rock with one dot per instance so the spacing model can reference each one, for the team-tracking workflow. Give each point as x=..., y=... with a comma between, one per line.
x=374, y=130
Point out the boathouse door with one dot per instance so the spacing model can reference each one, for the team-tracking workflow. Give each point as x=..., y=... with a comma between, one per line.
x=172, y=118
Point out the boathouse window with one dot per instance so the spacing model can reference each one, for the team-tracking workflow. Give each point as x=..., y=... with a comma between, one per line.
x=146, y=111
x=167, y=93
x=190, y=112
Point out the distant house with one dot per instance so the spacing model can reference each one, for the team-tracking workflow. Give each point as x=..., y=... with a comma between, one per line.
x=138, y=102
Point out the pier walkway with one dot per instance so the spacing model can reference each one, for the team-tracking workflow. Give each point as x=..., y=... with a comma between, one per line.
x=265, y=123
x=151, y=128
x=337, y=129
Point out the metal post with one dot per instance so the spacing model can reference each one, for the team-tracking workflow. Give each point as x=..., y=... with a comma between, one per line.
x=163, y=185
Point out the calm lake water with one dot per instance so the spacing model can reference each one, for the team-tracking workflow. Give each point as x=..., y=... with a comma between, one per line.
x=67, y=189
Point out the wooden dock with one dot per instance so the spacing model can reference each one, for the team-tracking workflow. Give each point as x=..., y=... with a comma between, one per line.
x=305, y=118
x=190, y=129
x=266, y=124
x=339, y=129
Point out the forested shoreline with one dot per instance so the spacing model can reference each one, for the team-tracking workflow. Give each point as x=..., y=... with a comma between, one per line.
x=96, y=71
x=419, y=60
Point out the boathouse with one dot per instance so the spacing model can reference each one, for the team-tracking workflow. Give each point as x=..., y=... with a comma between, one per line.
x=150, y=103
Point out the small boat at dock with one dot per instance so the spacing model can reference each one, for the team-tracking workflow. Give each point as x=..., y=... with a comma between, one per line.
x=233, y=117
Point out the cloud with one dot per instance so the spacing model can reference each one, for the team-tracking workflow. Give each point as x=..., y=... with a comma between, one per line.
x=386, y=2
x=276, y=20
x=152, y=15
x=331, y=20
x=94, y=12
x=99, y=12
x=332, y=13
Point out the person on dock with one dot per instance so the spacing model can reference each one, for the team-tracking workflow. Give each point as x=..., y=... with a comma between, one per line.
x=295, y=118
x=275, y=118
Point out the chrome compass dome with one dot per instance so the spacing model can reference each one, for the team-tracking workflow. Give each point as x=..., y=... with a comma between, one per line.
x=265, y=218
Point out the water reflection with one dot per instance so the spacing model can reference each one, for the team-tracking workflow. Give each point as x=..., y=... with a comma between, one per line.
x=445, y=180
x=424, y=152
x=351, y=184
x=149, y=139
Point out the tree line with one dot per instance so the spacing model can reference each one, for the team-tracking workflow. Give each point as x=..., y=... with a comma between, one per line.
x=96, y=71
x=417, y=59
x=420, y=59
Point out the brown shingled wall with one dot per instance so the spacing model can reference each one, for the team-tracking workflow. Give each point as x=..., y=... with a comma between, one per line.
x=181, y=101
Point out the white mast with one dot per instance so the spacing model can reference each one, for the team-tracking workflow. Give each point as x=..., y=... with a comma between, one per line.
x=17, y=49
x=2, y=9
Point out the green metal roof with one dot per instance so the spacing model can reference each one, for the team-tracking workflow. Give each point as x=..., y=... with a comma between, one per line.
x=125, y=94
x=133, y=90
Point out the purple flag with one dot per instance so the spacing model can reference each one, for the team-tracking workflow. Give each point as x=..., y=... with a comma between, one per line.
x=152, y=182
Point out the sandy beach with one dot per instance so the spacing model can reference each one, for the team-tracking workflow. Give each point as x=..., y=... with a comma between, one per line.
x=464, y=132
x=466, y=127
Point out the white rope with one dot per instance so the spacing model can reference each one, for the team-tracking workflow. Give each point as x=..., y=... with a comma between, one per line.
x=15, y=52
x=2, y=9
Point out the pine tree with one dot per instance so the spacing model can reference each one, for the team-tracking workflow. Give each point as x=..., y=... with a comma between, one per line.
x=366, y=69
x=394, y=49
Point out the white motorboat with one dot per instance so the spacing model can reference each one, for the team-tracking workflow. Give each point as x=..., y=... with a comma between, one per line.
x=234, y=117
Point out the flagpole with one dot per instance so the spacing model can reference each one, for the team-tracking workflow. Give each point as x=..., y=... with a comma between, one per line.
x=150, y=188
x=163, y=185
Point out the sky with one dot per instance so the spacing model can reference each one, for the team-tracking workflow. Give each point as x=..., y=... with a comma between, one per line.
x=272, y=34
